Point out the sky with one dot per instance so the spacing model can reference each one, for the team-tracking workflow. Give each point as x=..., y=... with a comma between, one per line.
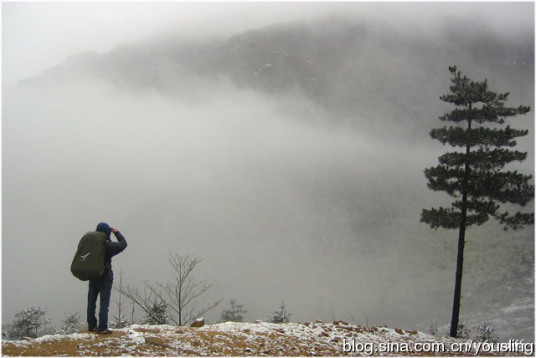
x=248, y=196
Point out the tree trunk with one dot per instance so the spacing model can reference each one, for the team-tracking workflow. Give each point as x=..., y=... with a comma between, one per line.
x=461, y=246
x=459, y=270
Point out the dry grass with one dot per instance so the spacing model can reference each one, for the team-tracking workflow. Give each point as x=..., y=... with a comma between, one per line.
x=227, y=339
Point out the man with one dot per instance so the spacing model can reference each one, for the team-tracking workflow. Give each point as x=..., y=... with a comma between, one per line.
x=103, y=285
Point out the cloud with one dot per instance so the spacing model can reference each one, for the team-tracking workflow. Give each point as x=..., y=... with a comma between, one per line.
x=232, y=179
x=282, y=203
x=38, y=35
x=321, y=216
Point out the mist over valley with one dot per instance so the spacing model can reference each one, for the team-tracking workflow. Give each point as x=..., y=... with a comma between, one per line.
x=289, y=157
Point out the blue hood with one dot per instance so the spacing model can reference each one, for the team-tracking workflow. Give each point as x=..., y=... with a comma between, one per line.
x=105, y=228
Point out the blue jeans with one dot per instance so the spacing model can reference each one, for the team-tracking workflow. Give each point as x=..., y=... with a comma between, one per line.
x=104, y=288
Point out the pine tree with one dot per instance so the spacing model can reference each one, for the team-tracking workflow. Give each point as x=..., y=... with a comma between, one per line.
x=234, y=314
x=475, y=174
x=71, y=324
x=281, y=316
x=27, y=323
x=486, y=333
x=156, y=313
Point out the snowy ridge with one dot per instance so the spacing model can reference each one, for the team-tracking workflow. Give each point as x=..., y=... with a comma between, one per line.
x=255, y=339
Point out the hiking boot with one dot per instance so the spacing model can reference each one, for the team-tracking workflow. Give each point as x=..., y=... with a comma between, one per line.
x=94, y=329
x=103, y=331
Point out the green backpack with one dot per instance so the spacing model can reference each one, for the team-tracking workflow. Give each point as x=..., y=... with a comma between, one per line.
x=88, y=262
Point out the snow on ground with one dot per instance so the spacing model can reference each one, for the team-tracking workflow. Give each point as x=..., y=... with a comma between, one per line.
x=253, y=339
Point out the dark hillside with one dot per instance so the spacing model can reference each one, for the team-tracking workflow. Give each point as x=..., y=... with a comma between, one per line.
x=360, y=72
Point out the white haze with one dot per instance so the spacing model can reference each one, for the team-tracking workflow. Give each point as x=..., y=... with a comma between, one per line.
x=228, y=177
x=38, y=35
x=281, y=203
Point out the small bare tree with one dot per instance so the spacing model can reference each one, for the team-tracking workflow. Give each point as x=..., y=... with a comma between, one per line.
x=120, y=320
x=180, y=295
x=183, y=292
x=433, y=327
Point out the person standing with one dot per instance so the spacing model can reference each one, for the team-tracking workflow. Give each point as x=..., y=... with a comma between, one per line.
x=103, y=285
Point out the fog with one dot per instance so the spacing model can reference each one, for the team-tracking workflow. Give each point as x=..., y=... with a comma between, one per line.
x=38, y=35
x=232, y=180
x=281, y=202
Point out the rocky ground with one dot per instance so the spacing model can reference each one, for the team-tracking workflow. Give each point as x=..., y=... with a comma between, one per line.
x=251, y=339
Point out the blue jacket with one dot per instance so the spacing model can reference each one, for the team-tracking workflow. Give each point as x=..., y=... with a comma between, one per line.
x=112, y=249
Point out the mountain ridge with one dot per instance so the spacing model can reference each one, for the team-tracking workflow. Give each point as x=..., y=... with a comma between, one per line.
x=350, y=68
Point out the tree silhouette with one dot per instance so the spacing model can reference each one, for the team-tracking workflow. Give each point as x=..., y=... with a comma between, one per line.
x=233, y=314
x=476, y=175
x=282, y=315
x=177, y=297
